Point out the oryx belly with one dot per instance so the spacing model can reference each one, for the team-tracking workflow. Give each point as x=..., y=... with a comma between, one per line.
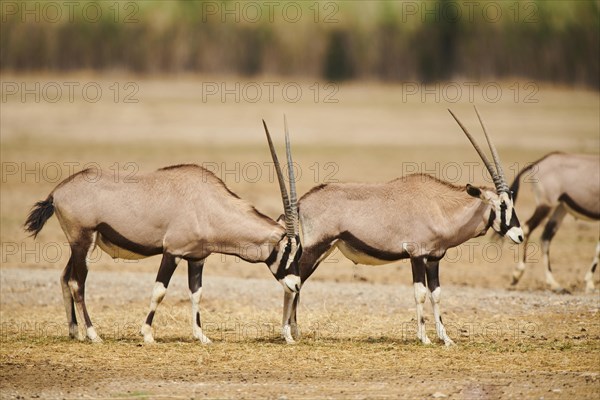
x=115, y=251
x=358, y=256
x=582, y=207
x=127, y=243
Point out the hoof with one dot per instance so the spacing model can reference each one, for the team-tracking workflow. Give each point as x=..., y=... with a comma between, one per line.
x=148, y=338
x=295, y=332
x=286, y=332
x=425, y=341
x=449, y=343
x=589, y=289
x=205, y=341
x=73, y=331
x=560, y=290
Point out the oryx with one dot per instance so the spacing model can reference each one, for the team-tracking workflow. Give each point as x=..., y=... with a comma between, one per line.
x=563, y=184
x=182, y=212
x=416, y=216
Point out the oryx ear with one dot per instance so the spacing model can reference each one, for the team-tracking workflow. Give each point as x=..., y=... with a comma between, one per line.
x=474, y=191
x=281, y=220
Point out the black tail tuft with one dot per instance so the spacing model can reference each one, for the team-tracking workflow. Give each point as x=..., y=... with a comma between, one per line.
x=40, y=213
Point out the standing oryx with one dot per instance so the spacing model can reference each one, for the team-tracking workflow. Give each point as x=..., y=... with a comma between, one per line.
x=182, y=212
x=416, y=216
x=562, y=183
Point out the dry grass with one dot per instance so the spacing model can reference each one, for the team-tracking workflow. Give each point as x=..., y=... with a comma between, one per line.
x=358, y=340
x=543, y=345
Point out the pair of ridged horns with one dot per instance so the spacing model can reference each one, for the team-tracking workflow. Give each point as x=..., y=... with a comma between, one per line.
x=290, y=203
x=496, y=174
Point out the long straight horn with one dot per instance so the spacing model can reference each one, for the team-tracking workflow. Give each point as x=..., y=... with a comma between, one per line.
x=293, y=196
x=289, y=226
x=487, y=163
x=503, y=187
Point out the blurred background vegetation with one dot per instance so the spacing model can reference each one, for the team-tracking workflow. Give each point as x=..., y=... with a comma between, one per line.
x=550, y=41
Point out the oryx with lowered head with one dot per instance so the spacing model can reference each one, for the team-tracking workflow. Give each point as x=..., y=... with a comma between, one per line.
x=183, y=212
x=563, y=184
x=416, y=216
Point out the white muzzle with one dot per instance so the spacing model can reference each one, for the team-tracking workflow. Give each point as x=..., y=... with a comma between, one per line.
x=515, y=234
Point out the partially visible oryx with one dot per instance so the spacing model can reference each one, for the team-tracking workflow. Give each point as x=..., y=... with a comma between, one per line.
x=182, y=212
x=416, y=216
x=563, y=184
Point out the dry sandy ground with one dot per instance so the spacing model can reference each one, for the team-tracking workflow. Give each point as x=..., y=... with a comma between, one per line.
x=357, y=322
x=358, y=342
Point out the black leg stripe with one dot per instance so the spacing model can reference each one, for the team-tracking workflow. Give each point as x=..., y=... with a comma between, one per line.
x=549, y=231
x=150, y=317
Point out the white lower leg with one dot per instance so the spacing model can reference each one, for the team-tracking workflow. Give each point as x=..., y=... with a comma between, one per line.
x=550, y=281
x=158, y=294
x=439, y=326
x=518, y=272
x=92, y=335
x=420, y=296
x=294, y=329
x=78, y=329
x=286, y=329
x=589, y=276
x=196, y=322
x=68, y=300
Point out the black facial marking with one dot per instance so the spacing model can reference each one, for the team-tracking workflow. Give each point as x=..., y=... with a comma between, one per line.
x=150, y=317
x=114, y=237
x=280, y=274
x=514, y=220
x=272, y=257
x=491, y=219
x=503, y=226
x=281, y=269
